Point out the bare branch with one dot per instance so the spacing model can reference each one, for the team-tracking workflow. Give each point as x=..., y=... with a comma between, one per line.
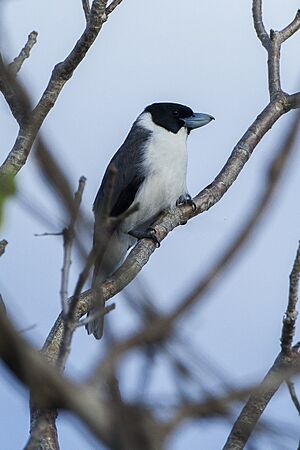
x=294, y=100
x=112, y=6
x=97, y=314
x=95, y=257
x=285, y=361
x=17, y=63
x=86, y=9
x=43, y=434
x=274, y=64
x=68, y=238
x=13, y=94
x=258, y=23
x=259, y=400
x=70, y=319
x=290, y=317
x=291, y=29
x=62, y=72
x=292, y=391
x=59, y=233
x=272, y=44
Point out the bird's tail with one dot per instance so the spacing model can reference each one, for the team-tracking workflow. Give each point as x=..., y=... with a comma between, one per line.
x=113, y=257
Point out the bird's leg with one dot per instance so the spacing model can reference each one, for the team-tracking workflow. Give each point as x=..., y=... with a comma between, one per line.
x=149, y=233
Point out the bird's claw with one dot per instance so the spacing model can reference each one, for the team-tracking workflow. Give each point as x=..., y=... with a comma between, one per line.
x=186, y=200
x=149, y=233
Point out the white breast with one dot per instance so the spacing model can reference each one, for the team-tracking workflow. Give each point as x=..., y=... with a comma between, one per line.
x=165, y=164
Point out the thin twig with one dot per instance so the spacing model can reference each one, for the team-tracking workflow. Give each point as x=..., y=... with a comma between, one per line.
x=291, y=29
x=95, y=257
x=17, y=63
x=14, y=95
x=272, y=44
x=258, y=23
x=97, y=314
x=292, y=391
x=290, y=317
x=68, y=238
x=59, y=233
x=57, y=179
x=112, y=6
x=26, y=329
x=69, y=319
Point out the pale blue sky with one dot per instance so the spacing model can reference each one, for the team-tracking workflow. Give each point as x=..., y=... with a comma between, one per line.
x=205, y=55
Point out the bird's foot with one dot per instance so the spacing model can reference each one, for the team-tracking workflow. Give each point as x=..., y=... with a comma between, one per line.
x=149, y=233
x=186, y=200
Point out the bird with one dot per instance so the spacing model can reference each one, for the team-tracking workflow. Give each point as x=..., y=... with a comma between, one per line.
x=150, y=171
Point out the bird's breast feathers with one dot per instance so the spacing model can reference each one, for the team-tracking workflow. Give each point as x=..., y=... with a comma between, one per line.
x=165, y=166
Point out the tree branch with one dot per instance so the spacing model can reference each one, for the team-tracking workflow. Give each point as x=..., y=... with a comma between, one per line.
x=272, y=44
x=62, y=72
x=259, y=400
x=13, y=95
x=286, y=360
x=86, y=9
x=291, y=388
x=68, y=238
x=291, y=29
x=274, y=64
x=17, y=63
x=290, y=317
x=294, y=100
x=141, y=253
x=112, y=6
x=258, y=23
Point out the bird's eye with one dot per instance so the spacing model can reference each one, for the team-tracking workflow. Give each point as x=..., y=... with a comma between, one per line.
x=175, y=113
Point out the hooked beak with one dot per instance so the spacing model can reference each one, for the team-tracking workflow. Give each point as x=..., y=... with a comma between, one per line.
x=197, y=120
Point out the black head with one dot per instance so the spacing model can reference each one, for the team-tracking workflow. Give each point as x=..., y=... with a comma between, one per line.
x=173, y=116
x=169, y=115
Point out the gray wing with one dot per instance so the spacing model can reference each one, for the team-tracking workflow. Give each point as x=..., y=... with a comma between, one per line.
x=129, y=177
